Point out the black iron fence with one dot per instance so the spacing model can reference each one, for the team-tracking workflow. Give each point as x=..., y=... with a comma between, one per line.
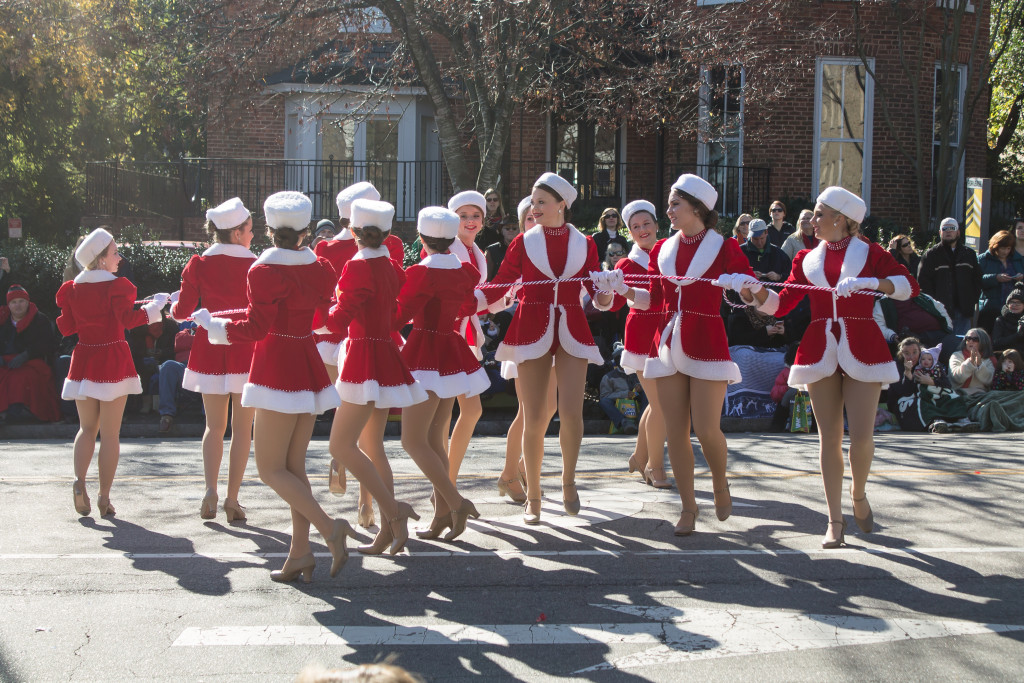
x=187, y=187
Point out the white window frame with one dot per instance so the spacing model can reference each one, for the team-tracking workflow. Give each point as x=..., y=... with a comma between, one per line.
x=704, y=140
x=953, y=4
x=869, y=107
x=958, y=202
x=708, y=3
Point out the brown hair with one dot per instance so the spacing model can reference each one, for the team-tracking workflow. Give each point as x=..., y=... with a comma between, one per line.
x=567, y=216
x=908, y=341
x=501, y=204
x=438, y=244
x=779, y=204
x=287, y=238
x=709, y=217
x=71, y=268
x=1014, y=356
x=618, y=219
x=369, y=236
x=223, y=236
x=1003, y=238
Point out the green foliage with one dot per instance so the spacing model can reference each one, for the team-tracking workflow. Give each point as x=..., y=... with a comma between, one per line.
x=412, y=252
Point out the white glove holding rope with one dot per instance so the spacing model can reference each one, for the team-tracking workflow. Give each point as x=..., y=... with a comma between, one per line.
x=616, y=280
x=852, y=284
x=202, y=318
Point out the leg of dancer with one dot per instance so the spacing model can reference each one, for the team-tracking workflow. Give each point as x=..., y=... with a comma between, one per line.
x=512, y=481
x=650, y=448
x=103, y=418
x=216, y=407
x=470, y=411
x=371, y=442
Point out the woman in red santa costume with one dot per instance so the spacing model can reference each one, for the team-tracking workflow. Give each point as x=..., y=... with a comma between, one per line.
x=641, y=327
x=98, y=307
x=548, y=323
x=512, y=480
x=338, y=250
x=843, y=358
x=372, y=378
x=217, y=279
x=437, y=294
x=287, y=383
x=471, y=207
x=691, y=367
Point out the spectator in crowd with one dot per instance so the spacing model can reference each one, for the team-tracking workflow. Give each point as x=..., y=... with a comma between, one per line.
x=615, y=253
x=325, y=230
x=779, y=229
x=495, y=253
x=5, y=274
x=494, y=217
x=767, y=260
x=745, y=326
x=1001, y=269
x=904, y=251
x=928, y=365
x=608, y=233
x=803, y=238
x=616, y=384
x=1018, y=233
x=922, y=317
x=922, y=399
x=172, y=372
x=1010, y=374
x=949, y=272
x=742, y=228
x=1009, y=326
x=783, y=394
x=971, y=367
x=27, y=345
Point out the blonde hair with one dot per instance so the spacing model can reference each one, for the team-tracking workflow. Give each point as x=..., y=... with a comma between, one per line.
x=739, y=219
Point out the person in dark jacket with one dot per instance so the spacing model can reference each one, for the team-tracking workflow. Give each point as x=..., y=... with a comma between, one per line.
x=768, y=261
x=1009, y=326
x=780, y=228
x=494, y=254
x=949, y=272
x=27, y=346
x=904, y=251
x=610, y=230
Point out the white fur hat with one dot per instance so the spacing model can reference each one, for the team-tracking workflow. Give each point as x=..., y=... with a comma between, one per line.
x=367, y=212
x=559, y=185
x=92, y=246
x=845, y=202
x=698, y=188
x=288, y=210
x=230, y=214
x=437, y=221
x=363, y=190
x=468, y=198
x=524, y=206
x=635, y=207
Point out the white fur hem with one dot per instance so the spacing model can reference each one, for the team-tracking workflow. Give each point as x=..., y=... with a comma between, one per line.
x=382, y=397
x=641, y=300
x=293, y=402
x=450, y=386
x=521, y=352
x=885, y=372
x=802, y=375
x=509, y=370
x=218, y=331
x=103, y=391
x=481, y=301
x=214, y=384
x=328, y=352
x=575, y=347
x=152, y=310
x=632, y=362
x=671, y=359
x=902, y=288
x=771, y=304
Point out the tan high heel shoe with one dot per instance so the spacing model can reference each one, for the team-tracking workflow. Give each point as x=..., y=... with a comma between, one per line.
x=459, y=518
x=531, y=512
x=337, y=544
x=234, y=511
x=380, y=543
x=436, y=528
x=293, y=567
x=105, y=507
x=687, y=522
x=208, y=509
x=400, y=526
x=831, y=540
x=635, y=466
x=337, y=482
x=82, y=505
x=365, y=516
x=571, y=505
x=723, y=503
x=656, y=477
x=521, y=471
x=505, y=489
x=866, y=524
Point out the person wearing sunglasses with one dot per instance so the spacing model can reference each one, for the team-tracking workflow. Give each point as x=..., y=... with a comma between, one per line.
x=904, y=251
x=742, y=228
x=778, y=228
x=971, y=367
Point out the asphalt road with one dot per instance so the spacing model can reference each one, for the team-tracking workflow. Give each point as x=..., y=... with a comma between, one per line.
x=156, y=593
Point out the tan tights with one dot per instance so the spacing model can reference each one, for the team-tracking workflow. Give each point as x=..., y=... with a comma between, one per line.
x=684, y=398
x=424, y=426
x=514, y=438
x=650, y=439
x=216, y=408
x=828, y=397
x=352, y=422
x=103, y=418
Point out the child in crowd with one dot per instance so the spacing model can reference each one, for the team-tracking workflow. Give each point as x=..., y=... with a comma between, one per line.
x=929, y=363
x=1010, y=375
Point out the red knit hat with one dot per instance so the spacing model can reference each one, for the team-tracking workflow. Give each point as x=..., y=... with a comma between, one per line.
x=17, y=292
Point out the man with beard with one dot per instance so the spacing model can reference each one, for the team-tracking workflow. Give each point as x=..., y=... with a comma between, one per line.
x=949, y=272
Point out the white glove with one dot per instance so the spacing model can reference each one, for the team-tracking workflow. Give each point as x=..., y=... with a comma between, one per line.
x=174, y=296
x=597, y=277
x=202, y=318
x=852, y=284
x=160, y=299
x=724, y=281
x=616, y=280
x=743, y=281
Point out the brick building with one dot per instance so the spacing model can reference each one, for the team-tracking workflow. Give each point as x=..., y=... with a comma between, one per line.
x=831, y=128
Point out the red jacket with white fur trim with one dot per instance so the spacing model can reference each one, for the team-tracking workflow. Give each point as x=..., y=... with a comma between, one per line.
x=642, y=324
x=827, y=345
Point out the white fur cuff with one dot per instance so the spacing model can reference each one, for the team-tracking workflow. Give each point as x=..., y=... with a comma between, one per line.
x=641, y=300
x=218, y=331
x=481, y=300
x=771, y=304
x=152, y=310
x=901, y=286
x=603, y=307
